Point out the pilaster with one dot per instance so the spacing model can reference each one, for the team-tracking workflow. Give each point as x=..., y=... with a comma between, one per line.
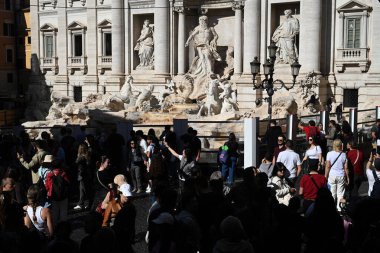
x=161, y=38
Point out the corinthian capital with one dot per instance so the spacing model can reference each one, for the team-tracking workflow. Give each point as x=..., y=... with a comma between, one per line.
x=237, y=5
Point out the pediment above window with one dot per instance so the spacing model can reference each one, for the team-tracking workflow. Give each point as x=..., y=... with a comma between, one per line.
x=75, y=25
x=354, y=6
x=48, y=28
x=105, y=24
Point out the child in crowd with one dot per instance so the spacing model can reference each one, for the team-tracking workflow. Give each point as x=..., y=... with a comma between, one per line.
x=123, y=186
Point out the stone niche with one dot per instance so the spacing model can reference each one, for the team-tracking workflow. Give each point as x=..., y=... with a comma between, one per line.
x=223, y=22
x=138, y=21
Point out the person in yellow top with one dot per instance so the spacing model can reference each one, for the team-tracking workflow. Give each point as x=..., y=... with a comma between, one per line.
x=36, y=160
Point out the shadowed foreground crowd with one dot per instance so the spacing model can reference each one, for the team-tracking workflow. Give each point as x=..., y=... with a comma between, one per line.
x=275, y=208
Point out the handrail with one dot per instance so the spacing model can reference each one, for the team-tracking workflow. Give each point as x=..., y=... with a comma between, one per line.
x=213, y=121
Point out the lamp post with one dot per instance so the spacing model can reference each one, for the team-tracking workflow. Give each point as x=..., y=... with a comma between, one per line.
x=268, y=84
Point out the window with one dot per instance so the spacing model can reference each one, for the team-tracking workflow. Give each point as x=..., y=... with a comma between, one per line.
x=350, y=97
x=10, y=77
x=353, y=33
x=78, y=46
x=29, y=40
x=49, y=46
x=9, y=55
x=107, y=50
x=77, y=94
x=8, y=29
x=8, y=5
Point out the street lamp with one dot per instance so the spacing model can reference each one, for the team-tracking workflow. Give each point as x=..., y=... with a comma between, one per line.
x=268, y=83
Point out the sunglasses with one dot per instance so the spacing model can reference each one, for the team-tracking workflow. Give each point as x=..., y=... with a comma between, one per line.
x=280, y=140
x=310, y=139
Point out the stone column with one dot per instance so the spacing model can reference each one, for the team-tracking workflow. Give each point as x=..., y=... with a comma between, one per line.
x=127, y=34
x=238, y=39
x=161, y=37
x=363, y=29
x=375, y=50
x=117, y=38
x=35, y=31
x=310, y=35
x=62, y=80
x=340, y=32
x=181, y=40
x=92, y=34
x=252, y=28
x=92, y=40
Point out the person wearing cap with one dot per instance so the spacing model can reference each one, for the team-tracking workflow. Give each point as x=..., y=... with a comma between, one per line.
x=375, y=159
x=45, y=168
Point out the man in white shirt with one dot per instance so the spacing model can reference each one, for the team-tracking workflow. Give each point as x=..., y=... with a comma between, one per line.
x=291, y=160
x=369, y=171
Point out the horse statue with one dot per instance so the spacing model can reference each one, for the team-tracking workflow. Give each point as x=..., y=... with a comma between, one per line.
x=213, y=104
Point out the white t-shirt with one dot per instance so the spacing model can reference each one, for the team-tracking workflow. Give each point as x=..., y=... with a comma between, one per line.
x=371, y=179
x=290, y=159
x=314, y=152
x=125, y=190
x=143, y=145
x=149, y=151
x=337, y=170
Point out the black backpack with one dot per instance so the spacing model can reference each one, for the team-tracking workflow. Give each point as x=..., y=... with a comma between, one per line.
x=375, y=193
x=60, y=187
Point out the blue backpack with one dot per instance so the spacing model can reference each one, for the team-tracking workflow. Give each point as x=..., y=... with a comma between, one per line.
x=224, y=155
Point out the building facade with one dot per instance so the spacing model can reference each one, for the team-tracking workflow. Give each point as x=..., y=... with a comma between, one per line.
x=81, y=47
x=14, y=48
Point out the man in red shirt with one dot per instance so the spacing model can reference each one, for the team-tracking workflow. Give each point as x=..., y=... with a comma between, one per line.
x=355, y=167
x=310, y=130
x=309, y=186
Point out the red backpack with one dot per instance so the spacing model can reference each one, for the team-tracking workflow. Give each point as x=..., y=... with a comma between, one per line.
x=57, y=185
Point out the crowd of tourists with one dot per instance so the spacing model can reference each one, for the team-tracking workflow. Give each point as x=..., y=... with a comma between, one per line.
x=292, y=202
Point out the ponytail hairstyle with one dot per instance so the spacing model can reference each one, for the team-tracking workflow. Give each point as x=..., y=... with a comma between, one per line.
x=103, y=158
x=33, y=196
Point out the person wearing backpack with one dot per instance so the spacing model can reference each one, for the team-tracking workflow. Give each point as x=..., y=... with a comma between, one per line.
x=373, y=176
x=57, y=187
x=309, y=186
x=228, y=158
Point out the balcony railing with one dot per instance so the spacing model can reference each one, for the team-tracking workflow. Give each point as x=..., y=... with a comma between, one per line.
x=104, y=62
x=352, y=57
x=49, y=64
x=77, y=63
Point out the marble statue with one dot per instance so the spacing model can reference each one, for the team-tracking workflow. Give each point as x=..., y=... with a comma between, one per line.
x=145, y=95
x=205, y=41
x=145, y=47
x=229, y=98
x=212, y=105
x=284, y=37
x=126, y=91
x=169, y=89
x=229, y=70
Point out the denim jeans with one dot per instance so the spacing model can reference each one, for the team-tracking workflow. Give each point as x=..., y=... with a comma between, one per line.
x=136, y=172
x=230, y=168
